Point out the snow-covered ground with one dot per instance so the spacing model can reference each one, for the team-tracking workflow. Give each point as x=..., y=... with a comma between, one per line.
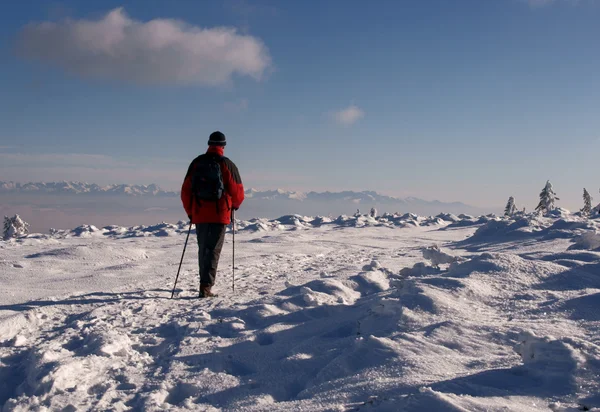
x=328, y=314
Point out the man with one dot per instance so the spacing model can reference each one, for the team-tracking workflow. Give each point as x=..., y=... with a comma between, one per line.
x=211, y=190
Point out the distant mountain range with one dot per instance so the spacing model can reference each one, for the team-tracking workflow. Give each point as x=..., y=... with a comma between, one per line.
x=365, y=198
x=84, y=188
x=269, y=201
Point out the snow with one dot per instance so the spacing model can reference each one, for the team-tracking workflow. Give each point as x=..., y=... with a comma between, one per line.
x=328, y=314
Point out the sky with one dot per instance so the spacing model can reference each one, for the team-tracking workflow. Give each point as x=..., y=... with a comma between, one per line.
x=462, y=100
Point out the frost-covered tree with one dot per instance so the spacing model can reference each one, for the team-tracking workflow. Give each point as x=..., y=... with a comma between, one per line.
x=547, y=199
x=7, y=227
x=14, y=227
x=587, y=203
x=510, y=208
x=373, y=212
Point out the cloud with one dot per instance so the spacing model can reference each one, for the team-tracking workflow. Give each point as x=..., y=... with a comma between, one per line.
x=348, y=116
x=160, y=51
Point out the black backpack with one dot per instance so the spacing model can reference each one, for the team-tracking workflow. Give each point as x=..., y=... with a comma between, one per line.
x=207, y=179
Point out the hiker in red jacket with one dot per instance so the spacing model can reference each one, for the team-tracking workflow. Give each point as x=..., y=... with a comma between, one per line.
x=211, y=190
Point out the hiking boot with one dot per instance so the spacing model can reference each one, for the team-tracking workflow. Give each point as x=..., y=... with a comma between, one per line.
x=205, y=291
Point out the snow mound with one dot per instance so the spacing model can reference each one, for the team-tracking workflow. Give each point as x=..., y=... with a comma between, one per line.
x=320, y=221
x=91, y=253
x=85, y=231
x=533, y=225
x=507, y=272
x=283, y=223
x=374, y=265
x=437, y=257
x=295, y=221
x=373, y=281
x=549, y=357
x=586, y=241
x=328, y=291
x=468, y=221
x=418, y=270
x=448, y=217
x=120, y=232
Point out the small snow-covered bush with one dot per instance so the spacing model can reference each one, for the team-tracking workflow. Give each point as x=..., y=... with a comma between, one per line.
x=14, y=227
x=373, y=212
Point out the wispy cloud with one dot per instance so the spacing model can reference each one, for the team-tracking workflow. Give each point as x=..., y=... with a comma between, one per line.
x=348, y=116
x=160, y=51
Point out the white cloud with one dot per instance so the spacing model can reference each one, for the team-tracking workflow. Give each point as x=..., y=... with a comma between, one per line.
x=160, y=51
x=349, y=115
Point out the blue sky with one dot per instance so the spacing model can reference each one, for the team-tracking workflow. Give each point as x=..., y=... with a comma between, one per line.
x=462, y=100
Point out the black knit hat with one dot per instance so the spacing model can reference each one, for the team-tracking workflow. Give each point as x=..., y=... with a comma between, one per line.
x=217, y=139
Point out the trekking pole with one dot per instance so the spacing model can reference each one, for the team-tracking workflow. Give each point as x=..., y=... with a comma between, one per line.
x=233, y=258
x=183, y=254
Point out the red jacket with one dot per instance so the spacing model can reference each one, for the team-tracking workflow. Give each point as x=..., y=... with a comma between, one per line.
x=208, y=212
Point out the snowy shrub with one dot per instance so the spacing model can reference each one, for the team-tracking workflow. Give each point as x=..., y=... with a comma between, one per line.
x=373, y=212
x=587, y=203
x=510, y=208
x=14, y=227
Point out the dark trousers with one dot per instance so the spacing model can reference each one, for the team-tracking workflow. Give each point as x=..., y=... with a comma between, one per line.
x=210, y=243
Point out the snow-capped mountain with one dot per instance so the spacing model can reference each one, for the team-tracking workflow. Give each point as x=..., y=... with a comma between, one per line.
x=364, y=197
x=84, y=188
x=367, y=198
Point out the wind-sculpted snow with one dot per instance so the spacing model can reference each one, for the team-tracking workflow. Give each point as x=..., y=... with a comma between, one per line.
x=589, y=241
x=323, y=318
x=520, y=228
x=469, y=221
x=284, y=223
